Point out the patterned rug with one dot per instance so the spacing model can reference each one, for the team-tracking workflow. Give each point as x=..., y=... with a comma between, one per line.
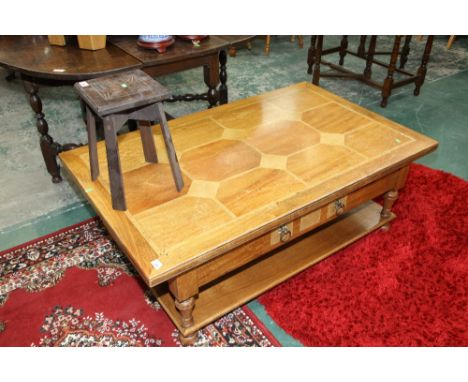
x=75, y=288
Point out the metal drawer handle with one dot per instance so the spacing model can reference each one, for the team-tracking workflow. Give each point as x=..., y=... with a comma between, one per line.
x=339, y=207
x=285, y=233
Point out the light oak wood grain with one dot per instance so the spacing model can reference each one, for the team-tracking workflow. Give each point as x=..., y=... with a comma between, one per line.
x=357, y=147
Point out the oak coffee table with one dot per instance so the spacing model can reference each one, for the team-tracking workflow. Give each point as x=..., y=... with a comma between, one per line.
x=273, y=184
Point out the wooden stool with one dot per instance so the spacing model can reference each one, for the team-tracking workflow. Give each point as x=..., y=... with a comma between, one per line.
x=116, y=99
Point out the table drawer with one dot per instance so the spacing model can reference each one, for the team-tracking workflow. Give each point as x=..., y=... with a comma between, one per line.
x=285, y=233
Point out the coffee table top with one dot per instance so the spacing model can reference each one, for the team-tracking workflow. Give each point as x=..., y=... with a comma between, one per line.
x=248, y=166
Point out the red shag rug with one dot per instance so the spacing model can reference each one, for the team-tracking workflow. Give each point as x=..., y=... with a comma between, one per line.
x=75, y=288
x=404, y=287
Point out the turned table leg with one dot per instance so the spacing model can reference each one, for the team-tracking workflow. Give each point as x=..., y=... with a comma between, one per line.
x=389, y=198
x=405, y=51
x=185, y=309
x=223, y=90
x=184, y=288
x=49, y=148
x=423, y=68
x=211, y=77
x=343, y=47
x=370, y=57
x=362, y=46
x=388, y=83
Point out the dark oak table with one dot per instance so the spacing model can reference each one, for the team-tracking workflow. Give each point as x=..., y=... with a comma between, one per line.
x=38, y=63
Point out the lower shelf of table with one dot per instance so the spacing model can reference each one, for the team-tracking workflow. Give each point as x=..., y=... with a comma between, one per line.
x=237, y=288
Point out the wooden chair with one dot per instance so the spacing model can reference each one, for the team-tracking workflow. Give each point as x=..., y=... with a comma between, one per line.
x=300, y=43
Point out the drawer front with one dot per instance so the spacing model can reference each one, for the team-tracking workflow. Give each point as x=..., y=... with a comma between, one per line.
x=284, y=233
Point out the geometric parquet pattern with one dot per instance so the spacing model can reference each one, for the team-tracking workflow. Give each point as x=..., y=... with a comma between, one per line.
x=240, y=160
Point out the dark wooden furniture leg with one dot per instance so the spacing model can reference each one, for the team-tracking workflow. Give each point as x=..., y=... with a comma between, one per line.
x=405, y=51
x=311, y=53
x=362, y=46
x=389, y=199
x=317, y=59
x=171, y=154
x=49, y=148
x=223, y=90
x=113, y=160
x=388, y=83
x=211, y=77
x=343, y=47
x=92, y=143
x=147, y=141
x=423, y=68
x=370, y=57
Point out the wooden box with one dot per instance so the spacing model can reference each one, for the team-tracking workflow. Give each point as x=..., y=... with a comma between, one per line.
x=92, y=42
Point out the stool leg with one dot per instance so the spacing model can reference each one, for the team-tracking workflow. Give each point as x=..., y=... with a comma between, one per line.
x=113, y=165
x=92, y=144
x=147, y=141
x=170, y=147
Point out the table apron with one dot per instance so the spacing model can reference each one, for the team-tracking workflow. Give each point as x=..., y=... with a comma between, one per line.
x=179, y=66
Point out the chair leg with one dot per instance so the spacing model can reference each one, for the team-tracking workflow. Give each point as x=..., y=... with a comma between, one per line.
x=147, y=141
x=300, y=41
x=171, y=153
x=450, y=41
x=92, y=144
x=267, y=45
x=113, y=165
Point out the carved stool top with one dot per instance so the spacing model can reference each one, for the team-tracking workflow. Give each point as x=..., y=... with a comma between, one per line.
x=120, y=92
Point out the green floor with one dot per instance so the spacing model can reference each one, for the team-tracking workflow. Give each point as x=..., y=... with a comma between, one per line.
x=440, y=112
